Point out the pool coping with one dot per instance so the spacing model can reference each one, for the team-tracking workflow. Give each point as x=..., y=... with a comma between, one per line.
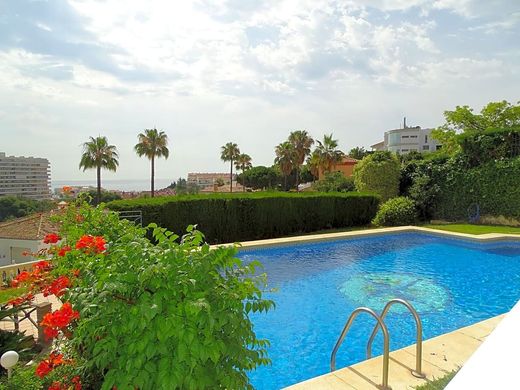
x=487, y=237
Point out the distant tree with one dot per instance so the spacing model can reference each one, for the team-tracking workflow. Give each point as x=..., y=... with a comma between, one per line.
x=182, y=187
x=219, y=182
x=313, y=162
x=328, y=153
x=230, y=152
x=243, y=163
x=285, y=159
x=16, y=207
x=379, y=173
x=495, y=115
x=301, y=142
x=335, y=182
x=106, y=196
x=152, y=144
x=358, y=153
x=260, y=177
x=99, y=154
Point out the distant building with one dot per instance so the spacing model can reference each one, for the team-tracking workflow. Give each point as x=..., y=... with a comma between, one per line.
x=407, y=139
x=203, y=180
x=25, y=176
x=22, y=237
x=345, y=166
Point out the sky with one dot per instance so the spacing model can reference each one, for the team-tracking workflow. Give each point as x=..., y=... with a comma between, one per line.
x=244, y=71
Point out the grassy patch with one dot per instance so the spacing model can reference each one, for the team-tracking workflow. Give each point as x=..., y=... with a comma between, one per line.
x=475, y=229
x=438, y=384
x=8, y=293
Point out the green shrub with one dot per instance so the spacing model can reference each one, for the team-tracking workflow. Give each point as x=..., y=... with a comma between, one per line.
x=379, y=173
x=253, y=216
x=494, y=186
x=169, y=315
x=23, y=378
x=335, y=182
x=396, y=212
x=490, y=145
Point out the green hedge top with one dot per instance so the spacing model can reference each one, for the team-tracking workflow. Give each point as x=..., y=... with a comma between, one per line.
x=250, y=216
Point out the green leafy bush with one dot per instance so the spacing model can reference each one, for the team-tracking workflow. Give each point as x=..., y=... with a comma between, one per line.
x=494, y=186
x=335, y=182
x=379, y=173
x=396, y=212
x=242, y=217
x=169, y=315
x=23, y=379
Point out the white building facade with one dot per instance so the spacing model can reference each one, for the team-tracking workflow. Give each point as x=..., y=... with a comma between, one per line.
x=408, y=139
x=25, y=176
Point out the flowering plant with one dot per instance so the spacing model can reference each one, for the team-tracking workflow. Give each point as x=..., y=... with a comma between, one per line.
x=137, y=314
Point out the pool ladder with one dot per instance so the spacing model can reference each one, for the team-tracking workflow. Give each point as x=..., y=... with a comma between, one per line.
x=386, y=339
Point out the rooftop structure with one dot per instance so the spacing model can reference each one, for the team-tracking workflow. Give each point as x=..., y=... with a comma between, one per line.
x=408, y=139
x=25, y=176
x=208, y=179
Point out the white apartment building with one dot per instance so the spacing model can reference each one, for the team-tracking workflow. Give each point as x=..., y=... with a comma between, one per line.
x=407, y=139
x=25, y=176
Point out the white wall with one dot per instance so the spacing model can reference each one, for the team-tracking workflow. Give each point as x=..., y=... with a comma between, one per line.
x=11, y=250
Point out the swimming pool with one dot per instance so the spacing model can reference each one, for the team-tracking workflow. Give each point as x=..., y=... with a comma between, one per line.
x=452, y=283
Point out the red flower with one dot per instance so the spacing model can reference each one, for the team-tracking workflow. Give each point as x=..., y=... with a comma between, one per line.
x=76, y=382
x=91, y=244
x=48, y=364
x=63, y=250
x=58, y=320
x=43, y=368
x=23, y=276
x=57, y=287
x=18, y=301
x=51, y=238
x=57, y=386
x=42, y=266
x=75, y=273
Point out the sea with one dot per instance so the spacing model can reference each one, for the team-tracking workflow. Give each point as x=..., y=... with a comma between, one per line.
x=121, y=185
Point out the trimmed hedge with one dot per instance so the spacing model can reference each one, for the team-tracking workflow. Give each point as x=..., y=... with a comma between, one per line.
x=242, y=217
x=494, y=186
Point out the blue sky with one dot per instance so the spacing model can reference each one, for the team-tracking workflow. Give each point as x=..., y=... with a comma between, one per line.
x=247, y=71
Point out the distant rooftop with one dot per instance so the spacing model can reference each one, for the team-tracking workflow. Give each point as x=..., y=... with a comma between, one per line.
x=32, y=227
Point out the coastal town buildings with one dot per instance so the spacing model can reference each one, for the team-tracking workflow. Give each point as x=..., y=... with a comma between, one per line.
x=25, y=176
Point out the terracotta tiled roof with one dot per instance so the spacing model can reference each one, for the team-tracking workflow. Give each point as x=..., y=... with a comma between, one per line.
x=32, y=227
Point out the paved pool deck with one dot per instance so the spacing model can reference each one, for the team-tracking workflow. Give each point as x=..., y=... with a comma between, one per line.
x=441, y=355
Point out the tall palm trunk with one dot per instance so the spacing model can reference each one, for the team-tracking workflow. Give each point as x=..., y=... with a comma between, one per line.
x=98, y=184
x=231, y=178
x=153, y=174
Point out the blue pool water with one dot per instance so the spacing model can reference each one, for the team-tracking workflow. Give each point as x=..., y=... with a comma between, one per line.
x=452, y=283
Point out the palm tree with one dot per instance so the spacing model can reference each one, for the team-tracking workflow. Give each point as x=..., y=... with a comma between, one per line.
x=301, y=142
x=152, y=143
x=313, y=163
x=243, y=163
x=328, y=153
x=98, y=154
x=285, y=158
x=230, y=152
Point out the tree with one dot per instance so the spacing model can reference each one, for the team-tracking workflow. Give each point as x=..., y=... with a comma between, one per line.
x=301, y=142
x=285, y=159
x=99, y=154
x=16, y=207
x=260, y=177
x=334, y=182
x=328, y=153
x=379, y=173
x=152, y=144
x=358, y=153
x=243, y=163
x=495, y=115
x=230, y=152
x=313, y=162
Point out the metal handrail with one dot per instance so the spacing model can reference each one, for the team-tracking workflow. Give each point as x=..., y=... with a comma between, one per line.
x=418, y=355
x=386, y=342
